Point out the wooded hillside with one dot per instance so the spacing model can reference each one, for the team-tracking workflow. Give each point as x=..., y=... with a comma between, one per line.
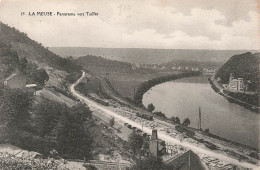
x=25, y=47
x=244, y=66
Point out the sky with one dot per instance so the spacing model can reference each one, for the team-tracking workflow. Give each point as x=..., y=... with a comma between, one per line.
x=160, y=24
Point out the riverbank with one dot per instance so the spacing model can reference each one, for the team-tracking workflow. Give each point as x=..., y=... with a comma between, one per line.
x=220, y=90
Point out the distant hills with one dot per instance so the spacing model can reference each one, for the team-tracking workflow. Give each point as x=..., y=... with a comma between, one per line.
x=150, y=56
x=244, y=66
x=100, y=61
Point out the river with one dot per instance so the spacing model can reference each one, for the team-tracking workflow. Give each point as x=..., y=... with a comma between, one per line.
x=183, y=98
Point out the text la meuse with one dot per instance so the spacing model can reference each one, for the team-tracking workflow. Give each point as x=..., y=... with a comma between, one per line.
x=40, y=14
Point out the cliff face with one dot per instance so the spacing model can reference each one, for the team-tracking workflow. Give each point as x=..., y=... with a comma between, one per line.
x=244, y=66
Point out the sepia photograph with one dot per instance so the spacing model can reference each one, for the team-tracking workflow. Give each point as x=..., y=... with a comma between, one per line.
x=129, y=85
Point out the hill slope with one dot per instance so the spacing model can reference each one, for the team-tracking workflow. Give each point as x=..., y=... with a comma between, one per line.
x=94, y=61
x=33, y=51
x=244, y=65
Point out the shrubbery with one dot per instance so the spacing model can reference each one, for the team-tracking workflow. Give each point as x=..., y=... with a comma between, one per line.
x=45, y=125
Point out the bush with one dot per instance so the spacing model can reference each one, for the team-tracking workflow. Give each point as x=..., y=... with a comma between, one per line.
x=150, y=107
x=159, y=114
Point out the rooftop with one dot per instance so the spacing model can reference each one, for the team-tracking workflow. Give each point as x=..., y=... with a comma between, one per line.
x=30, y=85
x=10, y=77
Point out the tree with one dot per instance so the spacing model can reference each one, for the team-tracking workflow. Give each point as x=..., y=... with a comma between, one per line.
x=66, y=126
x=81, y=112
x=15, y=105
x=112, y=122
x=160, y=114
x=150, y=107
x=23, y=64
x=9, y=59
x=47, y=113
x=44, y=75
x=186, y=122
x=177, y=120
x=206, y=130
x=40, y=76
x=9, y=56
x=73, y=139
x=135, y=142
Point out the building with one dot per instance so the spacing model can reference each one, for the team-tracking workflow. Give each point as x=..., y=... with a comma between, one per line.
x=181, y=68
x=236, y=84
x=195, y=69
x=31, y=85
x=186, y=161
x=15, y=81
x=32, y=88
x=209, y=72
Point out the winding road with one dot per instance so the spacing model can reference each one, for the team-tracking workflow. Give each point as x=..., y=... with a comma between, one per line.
x=161, y=136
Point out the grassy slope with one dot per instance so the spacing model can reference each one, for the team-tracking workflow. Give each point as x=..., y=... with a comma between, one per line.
x=126, y=84
x=123, y=78
x=34, y=51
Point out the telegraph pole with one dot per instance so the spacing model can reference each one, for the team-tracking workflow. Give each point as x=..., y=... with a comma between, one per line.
x=199, y=119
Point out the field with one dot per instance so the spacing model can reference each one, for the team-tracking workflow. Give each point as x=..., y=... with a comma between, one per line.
x=126, y=82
